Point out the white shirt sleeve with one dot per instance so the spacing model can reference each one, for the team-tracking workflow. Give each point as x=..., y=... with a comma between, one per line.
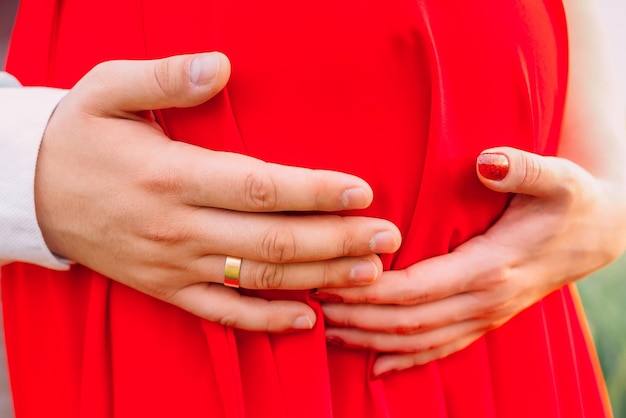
x=24, y=114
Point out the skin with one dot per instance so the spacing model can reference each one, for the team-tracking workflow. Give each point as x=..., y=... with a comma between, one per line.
x=566, y=220
x=142, y=198
x=160, y=215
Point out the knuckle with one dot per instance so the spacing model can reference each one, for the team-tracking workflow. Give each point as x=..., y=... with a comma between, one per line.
x=421, y=345
x=494, y=309
x=231, y=318
x=419, y=298
x=278, y=245
x=379, y=343
x=366, y=295
x=267, y=276
x=491, y=310
x=490, y=326
x=163, y=231
x=161, y=177
x=100, y=70
x=500, y=276
x=97, y=83
x=569, y=187
x=415, y=293
x=532, y=172
x=96, y=77
x=326, y=276
x=266, y=324
x=159, y=289
x=158, y=286
x=348, y=244
x=163, y=75
x=260, y=192
x=273, y=319
x=228, y=315
x=349, y=320
x=403, y=330
x=407, y=326
x=329, y=275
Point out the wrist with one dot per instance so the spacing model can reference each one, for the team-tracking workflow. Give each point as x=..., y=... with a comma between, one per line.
x=24, y=113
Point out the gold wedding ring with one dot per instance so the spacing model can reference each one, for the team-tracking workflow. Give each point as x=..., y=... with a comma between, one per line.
x=232, y=268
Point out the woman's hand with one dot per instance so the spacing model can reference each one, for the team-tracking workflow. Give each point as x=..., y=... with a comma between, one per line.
x=562, y=224
x=567, y=219
x=115, y=194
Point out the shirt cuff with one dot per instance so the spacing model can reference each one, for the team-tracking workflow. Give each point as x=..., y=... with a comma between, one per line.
x=24, y=115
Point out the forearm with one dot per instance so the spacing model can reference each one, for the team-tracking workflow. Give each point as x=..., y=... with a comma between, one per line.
x=594, y=126
x=24, y=113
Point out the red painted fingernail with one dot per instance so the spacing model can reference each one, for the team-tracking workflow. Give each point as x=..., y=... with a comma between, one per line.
x=493, y=166
x=336, y=341
x=327, y=297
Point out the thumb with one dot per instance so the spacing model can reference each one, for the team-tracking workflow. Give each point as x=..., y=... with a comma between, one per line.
x=177, y=81
x=511, y=170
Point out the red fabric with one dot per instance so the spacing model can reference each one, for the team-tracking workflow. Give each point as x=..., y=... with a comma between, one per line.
x=402, y=93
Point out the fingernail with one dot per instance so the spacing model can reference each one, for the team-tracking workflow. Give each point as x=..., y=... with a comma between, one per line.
x=336, y=341
x=365, y=271
x=355, y=198
x=493, y=166
x=327, y=297
x=383, y=242
x=303, y=322
x=382, y=374
x=203, y=69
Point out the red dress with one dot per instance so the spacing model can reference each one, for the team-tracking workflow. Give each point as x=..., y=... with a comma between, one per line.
x=402, y=93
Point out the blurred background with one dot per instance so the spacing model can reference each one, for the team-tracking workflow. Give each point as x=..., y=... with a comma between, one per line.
x=603, y=294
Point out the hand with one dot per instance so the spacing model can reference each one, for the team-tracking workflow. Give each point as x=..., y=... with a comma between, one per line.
x=115, y=194
x=560, y=226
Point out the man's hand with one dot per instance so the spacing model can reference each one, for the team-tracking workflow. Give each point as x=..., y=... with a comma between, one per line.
x=115, y=194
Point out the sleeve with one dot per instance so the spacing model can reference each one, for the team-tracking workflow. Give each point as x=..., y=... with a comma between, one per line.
x=24, y=114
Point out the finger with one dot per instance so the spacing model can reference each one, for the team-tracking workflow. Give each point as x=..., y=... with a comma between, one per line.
x=387, y=363
x=414, y=343
x=178, y=81
x=298, y=276
x=208, y=178
x=511, y=170
x=348, y=271
x=404, y=320
x=270, y=238
x=283, y=238
x=217, y=303
x=468, y=268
